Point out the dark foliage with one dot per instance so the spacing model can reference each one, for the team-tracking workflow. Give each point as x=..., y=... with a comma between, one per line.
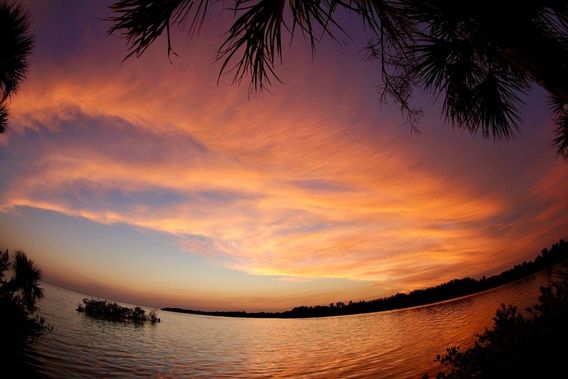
x=19, y=292
x=479, y=56
x=560, y=110
x=452, y=289
x=519, y=346
x=113, y=312
x=3, y=117
x=254, y=41
x=15, y=46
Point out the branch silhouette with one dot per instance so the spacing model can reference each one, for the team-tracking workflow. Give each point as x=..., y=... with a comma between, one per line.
x=479, y=57
x=15, y=46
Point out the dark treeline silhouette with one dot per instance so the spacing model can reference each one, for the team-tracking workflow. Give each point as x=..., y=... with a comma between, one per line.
x=449, y=290
x=114, y=312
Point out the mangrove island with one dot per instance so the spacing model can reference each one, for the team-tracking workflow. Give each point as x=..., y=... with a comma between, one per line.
x=111, y=311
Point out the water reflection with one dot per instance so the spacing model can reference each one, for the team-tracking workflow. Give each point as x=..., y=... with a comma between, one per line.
x=389, y=344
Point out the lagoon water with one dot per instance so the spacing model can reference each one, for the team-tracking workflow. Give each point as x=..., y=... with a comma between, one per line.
x=394, y=344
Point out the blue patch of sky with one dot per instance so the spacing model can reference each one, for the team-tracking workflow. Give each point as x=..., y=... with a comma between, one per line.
x=85, y=194
x=292, y=231
x=320, y=185
x=125, y=251
x=110, y=136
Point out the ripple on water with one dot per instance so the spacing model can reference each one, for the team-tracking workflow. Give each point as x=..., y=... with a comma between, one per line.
x=389, y=344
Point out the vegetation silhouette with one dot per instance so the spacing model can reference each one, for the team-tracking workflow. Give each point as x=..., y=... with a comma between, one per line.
x=114, y=312
x=15, y=46
x=519, y=346
x=19, y=322
x=449, y=290
x=479, y=56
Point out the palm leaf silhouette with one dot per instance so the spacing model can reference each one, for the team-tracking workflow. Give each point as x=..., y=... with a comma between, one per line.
x=26, y=280
x=479, y=57
x=15, y=46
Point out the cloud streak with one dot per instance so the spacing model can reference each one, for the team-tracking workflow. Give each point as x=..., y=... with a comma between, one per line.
x=303, y=184
x=323, y=205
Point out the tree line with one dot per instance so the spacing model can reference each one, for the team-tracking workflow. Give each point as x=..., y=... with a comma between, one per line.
x=445, y=291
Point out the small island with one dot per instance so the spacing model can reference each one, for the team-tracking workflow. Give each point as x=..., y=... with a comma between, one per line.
x=111, y=311
x=450, y=290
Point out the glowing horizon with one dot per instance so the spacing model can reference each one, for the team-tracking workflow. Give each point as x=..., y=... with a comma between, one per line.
x=147, y=182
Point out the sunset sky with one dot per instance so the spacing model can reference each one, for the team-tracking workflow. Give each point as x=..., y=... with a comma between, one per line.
x=148, y=182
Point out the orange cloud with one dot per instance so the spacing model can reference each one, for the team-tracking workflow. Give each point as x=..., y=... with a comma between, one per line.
x=287, y=185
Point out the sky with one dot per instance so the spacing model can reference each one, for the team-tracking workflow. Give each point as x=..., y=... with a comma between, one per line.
x=146, y=181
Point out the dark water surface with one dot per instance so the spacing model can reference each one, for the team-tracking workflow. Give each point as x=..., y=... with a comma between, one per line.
x=394, y=344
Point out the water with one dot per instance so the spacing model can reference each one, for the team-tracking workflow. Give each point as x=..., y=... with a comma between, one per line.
x=396, y=344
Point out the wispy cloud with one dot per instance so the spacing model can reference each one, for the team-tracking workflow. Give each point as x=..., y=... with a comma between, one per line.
x=294, y=185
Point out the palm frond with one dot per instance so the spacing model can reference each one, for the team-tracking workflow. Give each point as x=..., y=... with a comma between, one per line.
x=388, y=20
x=26, y=280
x=553, y=24
x=257, y=36
x=311, y=15
x=15, y=45
x=495, y=106
x=141, y=22
x=561, y=140
x=462, y=52
x=393, y=32
x=254, y=41
x=3, y=117
x=253, y=46
x=4, y=265
x=559, y=108
x=480, y=93
x=560, y=11
x=441, y=18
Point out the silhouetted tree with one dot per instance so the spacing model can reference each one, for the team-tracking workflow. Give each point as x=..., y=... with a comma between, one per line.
x=479, y=56
x=19, y=292
x=25, y=282
x=114, y=312
x=530, y=345
x=15, y=46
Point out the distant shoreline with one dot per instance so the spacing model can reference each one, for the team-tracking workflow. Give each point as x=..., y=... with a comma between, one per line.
x=451, y=290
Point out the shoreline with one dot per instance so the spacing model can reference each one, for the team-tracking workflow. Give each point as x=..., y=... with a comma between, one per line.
x=206, y=313
x=453, y=290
